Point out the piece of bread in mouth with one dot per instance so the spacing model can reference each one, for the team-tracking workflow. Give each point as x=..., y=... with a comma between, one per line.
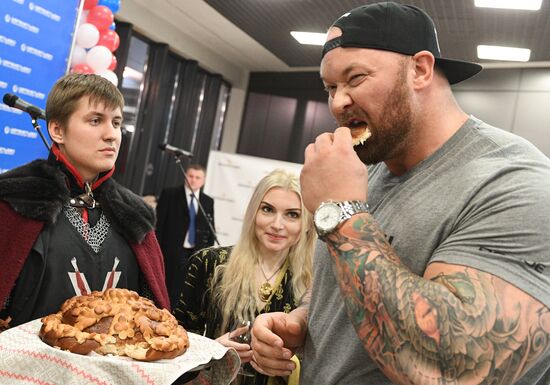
x=116, y=321
x=359, y=133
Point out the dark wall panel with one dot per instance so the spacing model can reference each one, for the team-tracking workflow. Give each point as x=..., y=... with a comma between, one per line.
x=299, y=85
x=254, y=123
x=317, y=119
x=284, y=113
x=278, y=127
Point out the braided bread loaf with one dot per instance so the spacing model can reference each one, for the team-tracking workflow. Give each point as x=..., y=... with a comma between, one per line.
x=117, y=321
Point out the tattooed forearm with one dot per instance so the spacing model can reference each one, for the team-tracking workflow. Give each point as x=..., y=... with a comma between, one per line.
x=462, y=326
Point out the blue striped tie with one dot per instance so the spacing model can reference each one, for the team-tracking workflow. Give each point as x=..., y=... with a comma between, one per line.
x=192, y=219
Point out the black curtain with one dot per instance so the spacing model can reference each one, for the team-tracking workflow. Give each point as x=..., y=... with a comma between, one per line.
x=182, y=127
x=205, y=128
x=124, y=31
x=150, y=114
x=194, y=123
x=155, y=170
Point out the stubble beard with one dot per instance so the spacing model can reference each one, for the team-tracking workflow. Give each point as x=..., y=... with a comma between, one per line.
x=391, y=134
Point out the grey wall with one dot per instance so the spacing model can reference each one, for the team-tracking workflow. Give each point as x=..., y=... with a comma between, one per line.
x=517, y=100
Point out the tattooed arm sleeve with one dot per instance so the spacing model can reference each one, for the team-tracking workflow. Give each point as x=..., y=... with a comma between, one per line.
x=455, y=325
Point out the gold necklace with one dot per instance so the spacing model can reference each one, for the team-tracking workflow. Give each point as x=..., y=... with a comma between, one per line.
x=265, y=290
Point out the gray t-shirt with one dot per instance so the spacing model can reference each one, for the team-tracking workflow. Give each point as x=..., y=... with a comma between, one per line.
x=480, y=200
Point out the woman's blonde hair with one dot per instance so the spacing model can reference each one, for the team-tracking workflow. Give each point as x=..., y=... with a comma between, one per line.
x=233, y=284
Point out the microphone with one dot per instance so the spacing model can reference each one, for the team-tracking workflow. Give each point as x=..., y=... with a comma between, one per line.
x=16, y=102
x=175, y=151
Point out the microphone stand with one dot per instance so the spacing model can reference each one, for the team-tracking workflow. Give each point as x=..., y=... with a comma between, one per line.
x=36, y=126
x=201, y=209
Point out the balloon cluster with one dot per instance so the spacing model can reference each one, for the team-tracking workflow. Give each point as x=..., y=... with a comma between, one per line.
x=96, y=40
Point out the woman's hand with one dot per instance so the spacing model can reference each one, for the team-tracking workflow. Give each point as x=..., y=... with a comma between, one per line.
x=243, y=350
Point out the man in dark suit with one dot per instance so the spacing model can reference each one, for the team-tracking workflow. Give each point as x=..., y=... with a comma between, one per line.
x=177, y=214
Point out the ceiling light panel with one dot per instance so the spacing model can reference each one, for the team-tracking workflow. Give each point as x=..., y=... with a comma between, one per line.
x=531, y=5
x=313, y=38
x=492, y=52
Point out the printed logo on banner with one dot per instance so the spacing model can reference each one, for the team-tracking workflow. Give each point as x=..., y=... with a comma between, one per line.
x=30, y=63
x=7, y=151
x=36, y=52
x=44, y=12
x=7, y=41
x=15, y=66
x=20, y=132
x=28, y=92
x=21, y=24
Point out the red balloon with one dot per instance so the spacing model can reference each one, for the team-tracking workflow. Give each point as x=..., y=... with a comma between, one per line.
x=82, y=68
x=109, y=39
x=113, y=64
x=89, y=4
x=100, y=16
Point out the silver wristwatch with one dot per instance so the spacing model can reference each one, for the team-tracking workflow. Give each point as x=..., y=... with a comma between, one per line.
x=329, y=215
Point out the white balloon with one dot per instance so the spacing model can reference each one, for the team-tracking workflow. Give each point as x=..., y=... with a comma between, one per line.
x=84, y=16
x=87, y=35
x=110, y=75
x=99, y=58
x=78, y=56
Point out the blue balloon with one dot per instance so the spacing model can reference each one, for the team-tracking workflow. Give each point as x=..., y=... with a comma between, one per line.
x=113, y=5
x=113, y=26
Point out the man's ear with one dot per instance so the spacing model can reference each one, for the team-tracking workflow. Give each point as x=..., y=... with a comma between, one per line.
x=56, y=131
x=424, y=69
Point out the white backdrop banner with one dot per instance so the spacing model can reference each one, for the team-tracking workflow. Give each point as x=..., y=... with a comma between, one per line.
x=230, y=181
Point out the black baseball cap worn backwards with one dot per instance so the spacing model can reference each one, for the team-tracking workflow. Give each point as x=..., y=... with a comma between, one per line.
x=400, y=28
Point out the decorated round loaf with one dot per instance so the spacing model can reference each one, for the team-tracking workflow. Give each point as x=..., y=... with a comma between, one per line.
x=118, y=322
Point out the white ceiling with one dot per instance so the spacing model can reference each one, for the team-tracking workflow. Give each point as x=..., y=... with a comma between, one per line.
x=197, y=31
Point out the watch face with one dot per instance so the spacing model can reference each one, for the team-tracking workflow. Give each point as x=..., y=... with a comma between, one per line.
x=327, y=217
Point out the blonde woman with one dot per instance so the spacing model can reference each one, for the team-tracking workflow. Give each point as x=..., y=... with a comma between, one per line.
x=267, y=270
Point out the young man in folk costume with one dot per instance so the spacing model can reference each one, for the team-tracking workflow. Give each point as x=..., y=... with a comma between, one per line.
x=67, y=227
